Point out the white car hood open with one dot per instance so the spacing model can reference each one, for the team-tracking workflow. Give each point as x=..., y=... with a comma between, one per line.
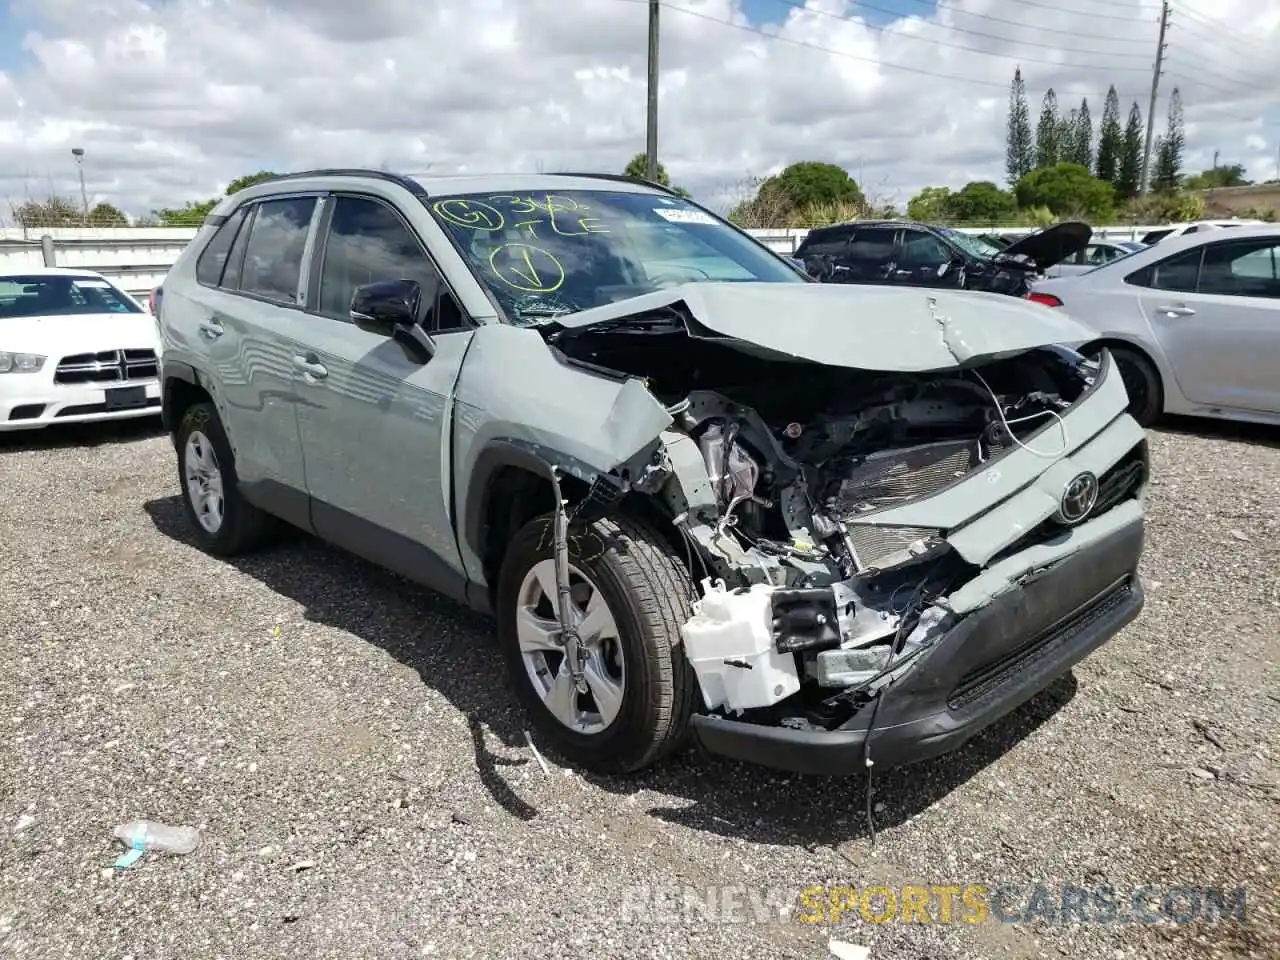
x=60, y=336
x=858, y=326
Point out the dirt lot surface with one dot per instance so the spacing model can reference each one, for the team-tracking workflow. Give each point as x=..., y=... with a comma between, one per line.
x=361, y=775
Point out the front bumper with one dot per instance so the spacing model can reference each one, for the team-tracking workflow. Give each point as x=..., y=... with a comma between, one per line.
x=30, y=401
x=996, y=658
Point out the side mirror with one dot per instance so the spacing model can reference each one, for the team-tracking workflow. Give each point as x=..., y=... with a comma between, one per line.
x=378, y=307
x=391, y=308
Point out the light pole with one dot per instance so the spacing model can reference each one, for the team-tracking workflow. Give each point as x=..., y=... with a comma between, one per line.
x=78, y=153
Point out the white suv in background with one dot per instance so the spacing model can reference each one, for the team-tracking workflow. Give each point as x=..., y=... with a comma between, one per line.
x=1197, y=226
x=73, y=348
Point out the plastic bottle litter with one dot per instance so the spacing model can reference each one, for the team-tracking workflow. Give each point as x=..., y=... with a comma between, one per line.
x=145, y=836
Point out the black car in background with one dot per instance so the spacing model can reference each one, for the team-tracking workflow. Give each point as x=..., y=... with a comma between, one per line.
x=926, y=255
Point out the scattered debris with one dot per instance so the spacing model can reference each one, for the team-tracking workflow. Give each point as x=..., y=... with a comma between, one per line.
x=458, y=817
x=847, y=951
x=1240, y=535
x=1203, y=774
x=1204, y=731
x=536, y=755
x=302, y=865
x=147, y=836
x=23, y=822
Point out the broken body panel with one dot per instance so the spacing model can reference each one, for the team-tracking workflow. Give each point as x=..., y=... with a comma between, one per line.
x=909, y=511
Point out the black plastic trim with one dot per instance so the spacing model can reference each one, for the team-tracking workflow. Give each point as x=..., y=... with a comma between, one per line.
x=170, y=371
x=291, y=505
x=495, y=455
x=389, y=550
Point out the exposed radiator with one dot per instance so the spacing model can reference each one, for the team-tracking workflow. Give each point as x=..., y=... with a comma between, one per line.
x=897, y=476
x=892, y=477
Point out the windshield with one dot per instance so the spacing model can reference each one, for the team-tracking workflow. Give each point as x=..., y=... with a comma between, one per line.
x=544, y=255
x=974, y=246
x=59, y=295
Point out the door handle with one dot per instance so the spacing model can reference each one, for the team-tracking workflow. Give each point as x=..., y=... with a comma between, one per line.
x=312, y=368
x=210, y=330
x=1176, y=310
x=902, y=273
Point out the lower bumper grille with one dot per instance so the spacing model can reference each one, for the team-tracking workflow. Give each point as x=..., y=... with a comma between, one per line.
x=107, y=366
x=977, y=684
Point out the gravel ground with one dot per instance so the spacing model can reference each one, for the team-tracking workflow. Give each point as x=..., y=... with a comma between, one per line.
x=365, y=789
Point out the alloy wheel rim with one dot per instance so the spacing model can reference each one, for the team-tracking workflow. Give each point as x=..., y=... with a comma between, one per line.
x=592, y=706
x=204, y=481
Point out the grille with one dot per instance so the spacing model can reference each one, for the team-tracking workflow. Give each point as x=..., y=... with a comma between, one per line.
x=107, y=366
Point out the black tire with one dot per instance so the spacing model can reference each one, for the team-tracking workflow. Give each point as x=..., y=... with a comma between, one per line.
x=647, y=589
x=244, y=527
x=1142, y=382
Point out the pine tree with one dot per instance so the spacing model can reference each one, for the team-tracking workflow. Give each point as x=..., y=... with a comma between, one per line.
x=1167, y=177
x=1019, y=154
x=1047, y=131
x=1067, y=126
x=1129, y=168
x=1110, y=139
x=1082, y=137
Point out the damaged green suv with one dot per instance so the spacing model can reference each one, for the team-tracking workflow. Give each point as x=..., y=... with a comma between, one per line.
x=806, y=524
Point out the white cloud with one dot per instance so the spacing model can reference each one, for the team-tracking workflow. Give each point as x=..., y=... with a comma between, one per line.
x=171, y=99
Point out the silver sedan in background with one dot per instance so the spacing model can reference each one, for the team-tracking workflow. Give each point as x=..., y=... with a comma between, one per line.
x=1194, y=323
x=1095, y=254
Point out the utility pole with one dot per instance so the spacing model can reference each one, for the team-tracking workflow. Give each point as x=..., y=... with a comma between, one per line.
x=78, y=153
x=1215, y=159
x=1155, y=90
x=651, y=120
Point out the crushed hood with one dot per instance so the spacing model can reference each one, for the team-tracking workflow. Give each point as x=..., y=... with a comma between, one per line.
x=888, y=329
x=1050, y=247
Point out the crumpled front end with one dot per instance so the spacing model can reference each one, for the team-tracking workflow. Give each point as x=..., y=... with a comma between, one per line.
x=914, y=551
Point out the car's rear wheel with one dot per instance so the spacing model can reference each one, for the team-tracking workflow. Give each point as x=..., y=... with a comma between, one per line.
x=629, y=594
x=220, y=518
x=1141, y=382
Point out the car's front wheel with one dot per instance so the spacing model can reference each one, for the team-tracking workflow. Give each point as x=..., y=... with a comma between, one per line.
x=628, y=704
x=222, y=521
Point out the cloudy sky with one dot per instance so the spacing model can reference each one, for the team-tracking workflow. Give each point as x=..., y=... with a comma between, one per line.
x=171, y=99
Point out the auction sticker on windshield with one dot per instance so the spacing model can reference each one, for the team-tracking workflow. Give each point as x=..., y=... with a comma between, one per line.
x=685, y=216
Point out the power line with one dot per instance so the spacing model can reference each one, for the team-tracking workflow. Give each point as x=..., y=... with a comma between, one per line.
x=943, y=4
x=799, y=5
x=1058, y=8
x=1198, y=17
x=920, y=71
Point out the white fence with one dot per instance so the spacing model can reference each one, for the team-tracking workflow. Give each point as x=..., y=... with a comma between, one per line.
x=137, y=258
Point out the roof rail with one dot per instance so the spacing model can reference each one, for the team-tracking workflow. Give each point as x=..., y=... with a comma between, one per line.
x=413, y=186
x=618, y=177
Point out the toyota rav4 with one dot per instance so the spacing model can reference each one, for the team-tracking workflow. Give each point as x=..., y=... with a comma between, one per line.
x=808, y=525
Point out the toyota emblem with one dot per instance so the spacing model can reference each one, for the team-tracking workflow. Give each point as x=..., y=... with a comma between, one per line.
x=1078, y=499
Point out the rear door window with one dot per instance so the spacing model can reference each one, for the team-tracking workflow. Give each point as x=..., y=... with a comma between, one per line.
x=1178, y=273
x=872, y=245
x=277, y=241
